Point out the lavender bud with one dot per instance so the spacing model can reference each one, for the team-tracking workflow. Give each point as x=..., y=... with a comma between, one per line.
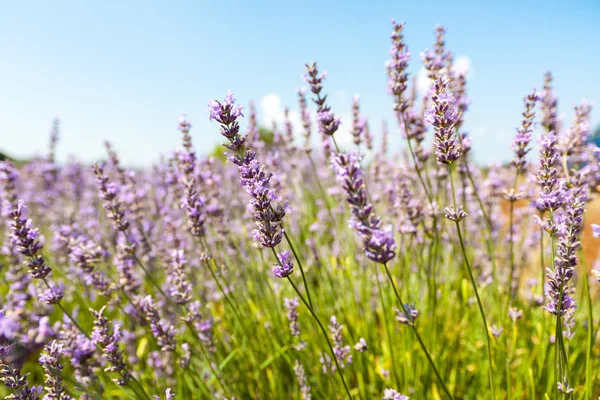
x=108, y=340
x=50, y=362
x=407, y=317
x=285, y=266
x=391, y=394
x=302, y=381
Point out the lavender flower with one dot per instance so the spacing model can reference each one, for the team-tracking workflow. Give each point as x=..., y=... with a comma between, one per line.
x=391, y=394
x=109, y=193
x=305, y=117
x=302, y=382
x=8, y=182
x=575, y=139
x=358, y=125
x=559, y=299
x=292, y=315
x=108, y=340
x=523, y=138
x=53, y=294
x=596, y=230
x=203, y=326
x=327, y=121
x=549, y=105
x=285, y=265
x=192, y=202
x=169, y=395
x=515, y=314
x=341, y=351
x=551, y=198
x=162, y=330
x=268, y=216
x=226, y=114
x=12, y=379
x=396, y=68
x=50, y=362
x=496, y=331
x=85, y=254
x=379, y=243
x=442, y=115
x=361, y=346
x=408, y=317
x=181, y=288
x=26, y=239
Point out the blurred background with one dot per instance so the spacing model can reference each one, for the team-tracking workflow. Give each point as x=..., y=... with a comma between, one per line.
x=125, y=71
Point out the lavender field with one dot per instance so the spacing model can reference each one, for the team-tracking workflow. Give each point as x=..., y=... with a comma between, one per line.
x=276, y=269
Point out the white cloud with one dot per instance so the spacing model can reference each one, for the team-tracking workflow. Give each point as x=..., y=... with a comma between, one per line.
x=273, y=111
x=463, y=66
x=423, y=82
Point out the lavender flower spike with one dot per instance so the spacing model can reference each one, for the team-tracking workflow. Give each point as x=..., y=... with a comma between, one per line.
x=12, y=378
x=328, y=122
x=379, y=243
x=443, y=115
x=559, y=299
x=523, y=137
x=253, y=176
x=50, y=362
x=108, y=339
x=358, y=125
x=26, y=240
x=397, y=66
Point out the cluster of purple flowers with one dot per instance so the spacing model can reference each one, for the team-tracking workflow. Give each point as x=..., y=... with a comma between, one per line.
x=379, y=242
x=108, y=340
x=397, y=66
x=442, y=115
x=192, y=201
x=358, y=124
x=50, y=361
x=109, y=193
x=328, y=122
x=523, y=137
x=559, y=291
x=26, y=239
x=254, y=178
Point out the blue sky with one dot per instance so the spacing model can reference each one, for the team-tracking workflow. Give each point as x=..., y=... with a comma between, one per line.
x=125, y=70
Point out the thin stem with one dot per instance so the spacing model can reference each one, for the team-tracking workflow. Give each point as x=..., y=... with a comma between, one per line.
x=474, y=285
x=304, y=280
x=314, y=168
x=414, y=328
x=387, y=328
x=322, y=330
x=589, y=379
x=67, y=314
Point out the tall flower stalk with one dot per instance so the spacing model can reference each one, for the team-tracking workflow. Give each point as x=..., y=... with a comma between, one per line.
x=520, y=146
x=268, y=215
x=379, y=244
x=442, y=115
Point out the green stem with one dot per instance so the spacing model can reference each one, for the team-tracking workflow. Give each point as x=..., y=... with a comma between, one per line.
x=414, y=328
x=589, y=379
x=310, y=309
x=387, y=328
x=304, y=280
x=474, y=285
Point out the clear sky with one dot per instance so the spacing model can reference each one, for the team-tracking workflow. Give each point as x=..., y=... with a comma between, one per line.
x=125, y=70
